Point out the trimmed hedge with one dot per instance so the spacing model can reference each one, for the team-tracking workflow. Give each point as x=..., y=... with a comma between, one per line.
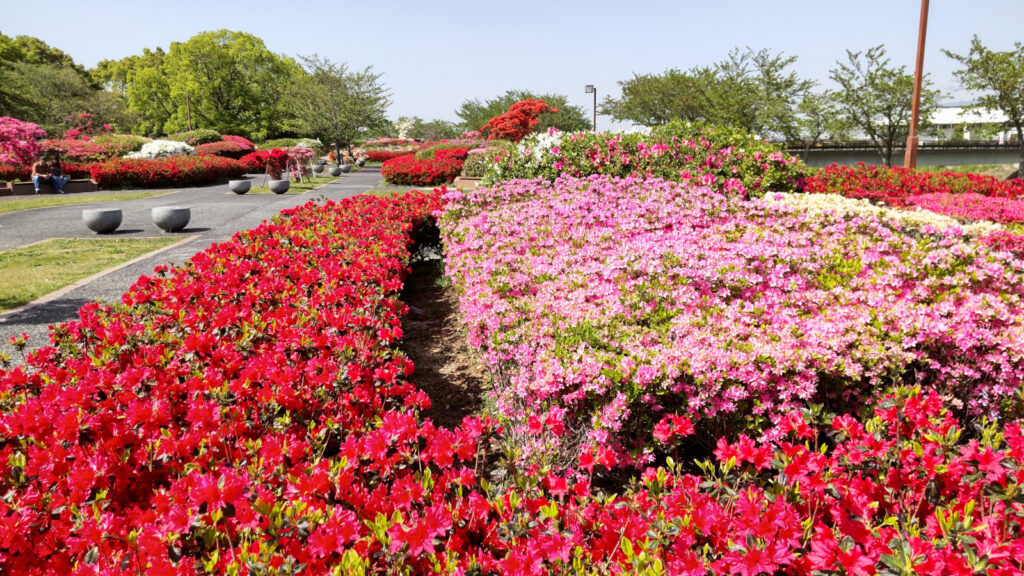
x=164, y=172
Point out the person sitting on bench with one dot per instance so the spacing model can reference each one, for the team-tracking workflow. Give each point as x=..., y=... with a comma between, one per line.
x=48, y=169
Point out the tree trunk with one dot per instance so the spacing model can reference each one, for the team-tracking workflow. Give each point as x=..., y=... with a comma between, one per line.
x=1020, y=159
x=337, y=154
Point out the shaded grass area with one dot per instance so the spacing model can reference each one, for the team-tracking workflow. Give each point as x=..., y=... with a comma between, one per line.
x=30, y=202
x=29, y=272
x=295, y=187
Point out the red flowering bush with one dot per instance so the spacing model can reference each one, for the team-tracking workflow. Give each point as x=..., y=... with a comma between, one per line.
x=518, y=122
x=164, y=172
x=273, y=162
x=385, y=155
x=24, y=173
x=86, y=128
x=971, y=206
x=223, y=148
x=895, y=185
x=412, y=171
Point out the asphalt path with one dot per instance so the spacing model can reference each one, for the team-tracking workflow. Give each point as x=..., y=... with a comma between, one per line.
x=216, y=215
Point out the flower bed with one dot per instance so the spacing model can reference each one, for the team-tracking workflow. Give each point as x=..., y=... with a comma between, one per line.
x=971, y=206
x=895, y=185
x=409, y=170
x=604, y=304
x=725, y=159
x=164, y=172
x=224, y=148
x=385, y=155
x=248, y=413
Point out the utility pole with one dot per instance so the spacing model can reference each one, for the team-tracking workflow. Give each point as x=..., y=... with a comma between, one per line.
x=590, y=89
x=910, y=160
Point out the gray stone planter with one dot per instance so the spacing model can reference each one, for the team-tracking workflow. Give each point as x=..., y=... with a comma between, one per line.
x=318, y=168
x=171, y=218
x=336, y=171
x=102, y=221
x=279, y=186
x=345, y=168
x=239, y=186
x=361, y=162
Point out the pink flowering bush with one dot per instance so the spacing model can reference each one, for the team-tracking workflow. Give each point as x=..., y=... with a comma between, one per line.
x=970, y=206
x=19, y=141
x=726, y=160
x=602, y=304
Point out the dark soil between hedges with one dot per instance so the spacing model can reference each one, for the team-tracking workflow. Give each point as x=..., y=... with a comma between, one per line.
x=446, y=369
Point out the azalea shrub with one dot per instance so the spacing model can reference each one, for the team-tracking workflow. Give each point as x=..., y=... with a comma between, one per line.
x=725, y=159
x=223, y=148
x=245, y=143
x=87, y=128
x=517, y=122
x=161, y=149
x=24, y=173
x=164, y=172
x=602, y=304
x=412, y=171
x=385, y=155
x=971, y=206
x=273, y=162
x=249, y=412
x=19, y=144
x=895, y=185
x=196, y=137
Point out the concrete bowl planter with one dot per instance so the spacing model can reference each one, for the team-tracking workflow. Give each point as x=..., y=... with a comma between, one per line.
x=318, y=168
x=171, y=218
x=336, y=171
x=102, y=221
x=361, y=162
x=346, y=168
x=239, y=186
x=279, y=186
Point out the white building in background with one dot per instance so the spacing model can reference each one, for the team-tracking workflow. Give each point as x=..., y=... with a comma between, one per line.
x=977, y=125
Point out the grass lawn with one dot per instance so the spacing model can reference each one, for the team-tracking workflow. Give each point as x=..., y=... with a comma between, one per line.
x=29, y=202
x=29, y=272
x=295, y=187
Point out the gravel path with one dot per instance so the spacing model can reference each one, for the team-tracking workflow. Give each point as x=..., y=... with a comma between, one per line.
x=217, y=214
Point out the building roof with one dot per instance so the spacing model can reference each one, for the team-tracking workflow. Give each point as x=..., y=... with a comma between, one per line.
x=957, y=115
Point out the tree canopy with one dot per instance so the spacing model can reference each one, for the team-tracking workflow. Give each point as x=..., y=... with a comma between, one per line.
x=476, y=114
x=999, y=77
x=755, y=91
x=336, y=105
x=876, y=98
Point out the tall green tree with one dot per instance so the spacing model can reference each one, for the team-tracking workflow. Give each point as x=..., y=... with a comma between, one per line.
x=475, y=113
x=336, y=105
x=142, y=84
x=227, y=81
x=755, y=91
x=999, y=76
x=876, y=98
x=416, y=127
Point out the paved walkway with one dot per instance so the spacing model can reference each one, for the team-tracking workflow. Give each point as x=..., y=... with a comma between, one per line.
x=217, y=214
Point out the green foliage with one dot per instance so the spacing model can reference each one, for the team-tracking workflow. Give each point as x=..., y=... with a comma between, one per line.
x=196, y=137
x=476, y=164
x=43, y=85
x=338, y=106
x=754, y=91
x=475, y=114
x=278, y=143
x=430, y=152
x=416, y=127
x=231, y=82
x=877, y=98
x=142, y=85
x=999, y=77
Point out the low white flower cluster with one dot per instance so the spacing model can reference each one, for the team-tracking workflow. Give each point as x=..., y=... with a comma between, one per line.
x=908, y=219
x=540, y=143
x=162, y=149
x=312, y=143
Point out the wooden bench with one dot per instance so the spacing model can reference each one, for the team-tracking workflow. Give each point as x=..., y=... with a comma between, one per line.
x=29, y=189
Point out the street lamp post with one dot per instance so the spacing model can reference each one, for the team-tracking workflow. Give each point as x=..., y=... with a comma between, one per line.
x=589, y=89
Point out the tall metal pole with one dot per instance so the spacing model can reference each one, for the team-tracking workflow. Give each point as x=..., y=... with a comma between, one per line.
x=910, y=160
x=595, y=108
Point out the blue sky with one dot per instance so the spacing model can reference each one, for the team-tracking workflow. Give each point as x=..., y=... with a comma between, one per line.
x=434, y=55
